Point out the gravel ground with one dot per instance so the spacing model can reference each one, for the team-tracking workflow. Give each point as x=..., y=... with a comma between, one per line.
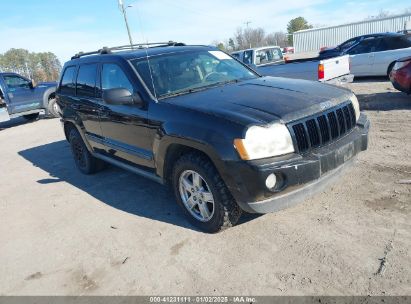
x=63, y=233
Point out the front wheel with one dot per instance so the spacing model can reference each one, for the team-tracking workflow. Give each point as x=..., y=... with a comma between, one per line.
x=202, y=194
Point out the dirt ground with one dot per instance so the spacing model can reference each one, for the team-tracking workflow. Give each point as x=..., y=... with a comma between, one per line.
x=63, y=233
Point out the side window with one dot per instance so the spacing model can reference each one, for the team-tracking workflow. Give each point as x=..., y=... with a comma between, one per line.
x=67, y=81
x=395, y=43
x=365, y=46
x=113, y=77
x=86, y=80
x=248, y=57
x=15, y=82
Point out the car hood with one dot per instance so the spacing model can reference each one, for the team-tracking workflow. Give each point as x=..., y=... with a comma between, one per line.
x=264, y=100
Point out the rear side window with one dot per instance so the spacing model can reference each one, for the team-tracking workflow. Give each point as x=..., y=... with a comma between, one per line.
x=67, y=81
x=86, y=80
x=397, y=43
x=113, y=77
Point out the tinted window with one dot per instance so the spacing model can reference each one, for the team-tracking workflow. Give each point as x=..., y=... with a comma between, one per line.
x=395, y=43
x=86, y=80
x=14, y=82
x=112, y=77
x=236, y=55
x=67, y=81
x=365, y=46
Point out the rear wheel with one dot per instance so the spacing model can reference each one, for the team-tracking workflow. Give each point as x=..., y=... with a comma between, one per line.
x=202, y=194
x=53, y=108
x=85, y=162
x=33, y=116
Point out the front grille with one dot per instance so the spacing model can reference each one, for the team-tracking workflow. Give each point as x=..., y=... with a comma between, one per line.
x=324, y=128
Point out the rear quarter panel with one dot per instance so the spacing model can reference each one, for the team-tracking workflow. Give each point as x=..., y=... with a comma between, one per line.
x=382, y=60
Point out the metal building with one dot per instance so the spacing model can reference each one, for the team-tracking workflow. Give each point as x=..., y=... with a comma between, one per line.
x=314, y=39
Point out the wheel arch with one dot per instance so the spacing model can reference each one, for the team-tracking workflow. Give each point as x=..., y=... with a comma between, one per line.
x=168, y=155
x=390, y=66
x=46, y=96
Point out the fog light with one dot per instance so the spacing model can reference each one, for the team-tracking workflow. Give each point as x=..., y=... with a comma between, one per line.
x=271, y=181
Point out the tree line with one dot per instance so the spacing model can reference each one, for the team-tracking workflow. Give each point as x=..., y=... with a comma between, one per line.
x=43, y=66
x=245, y=38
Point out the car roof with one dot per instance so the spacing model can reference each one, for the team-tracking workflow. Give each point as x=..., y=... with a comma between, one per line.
x=388, y=34
x=137, y=52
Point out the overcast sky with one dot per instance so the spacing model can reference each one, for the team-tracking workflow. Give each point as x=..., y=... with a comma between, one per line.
x=68, y=26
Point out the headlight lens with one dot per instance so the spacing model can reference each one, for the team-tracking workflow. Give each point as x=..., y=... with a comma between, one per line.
x=400, y=64
x=356, y=106
x=261, y=142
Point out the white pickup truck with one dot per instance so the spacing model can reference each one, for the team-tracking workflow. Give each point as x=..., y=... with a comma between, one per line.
x=269, y=61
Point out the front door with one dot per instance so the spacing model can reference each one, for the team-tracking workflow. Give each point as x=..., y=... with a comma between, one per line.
x=124, y=127
x=21, y=95
x=362, y=57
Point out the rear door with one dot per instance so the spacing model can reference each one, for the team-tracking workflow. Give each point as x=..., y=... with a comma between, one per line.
x=124, y=127
x=390, y=49
x=362, y=56
x=86, y=103
x=22, y=97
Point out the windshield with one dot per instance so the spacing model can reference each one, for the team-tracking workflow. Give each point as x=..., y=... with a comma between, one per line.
x=266, y=56
x=346, y=45
x=185, y=72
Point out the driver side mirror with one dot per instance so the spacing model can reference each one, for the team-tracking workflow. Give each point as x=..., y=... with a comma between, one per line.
x=32, y=84
x=121, y=96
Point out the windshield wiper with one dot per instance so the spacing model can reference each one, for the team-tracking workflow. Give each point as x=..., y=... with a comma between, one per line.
x=193, y=90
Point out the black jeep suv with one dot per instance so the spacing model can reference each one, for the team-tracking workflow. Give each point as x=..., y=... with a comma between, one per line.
x=226, y=139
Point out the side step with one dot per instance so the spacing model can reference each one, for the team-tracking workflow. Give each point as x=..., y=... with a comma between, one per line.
x=132, y=169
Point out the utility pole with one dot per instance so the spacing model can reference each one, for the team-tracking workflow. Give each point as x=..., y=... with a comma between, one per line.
x=123, y=10
x=247, y=23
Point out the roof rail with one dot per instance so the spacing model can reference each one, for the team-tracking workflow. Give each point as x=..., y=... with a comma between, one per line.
x=107, y=50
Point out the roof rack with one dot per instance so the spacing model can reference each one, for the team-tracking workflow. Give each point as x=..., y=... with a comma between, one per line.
x=107, y=50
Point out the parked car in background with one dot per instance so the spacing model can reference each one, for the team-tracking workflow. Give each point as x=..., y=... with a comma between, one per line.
x=330, y=52
x=373, y=55
x=335, y=70
x=400, y=75
x=288, y=50
x=20, y=96
x=223, y=137
x=260, y=56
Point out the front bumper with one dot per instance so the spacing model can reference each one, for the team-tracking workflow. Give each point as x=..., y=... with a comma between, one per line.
x=298, y=176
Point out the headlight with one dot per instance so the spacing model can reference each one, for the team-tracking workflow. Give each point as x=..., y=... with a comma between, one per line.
x=262, y=142
x=356, y=106
x=400, y=64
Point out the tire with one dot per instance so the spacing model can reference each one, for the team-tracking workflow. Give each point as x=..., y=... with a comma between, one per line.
x=52, y=108
x=223, y=211
x=85, y=162
x=33, y=116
